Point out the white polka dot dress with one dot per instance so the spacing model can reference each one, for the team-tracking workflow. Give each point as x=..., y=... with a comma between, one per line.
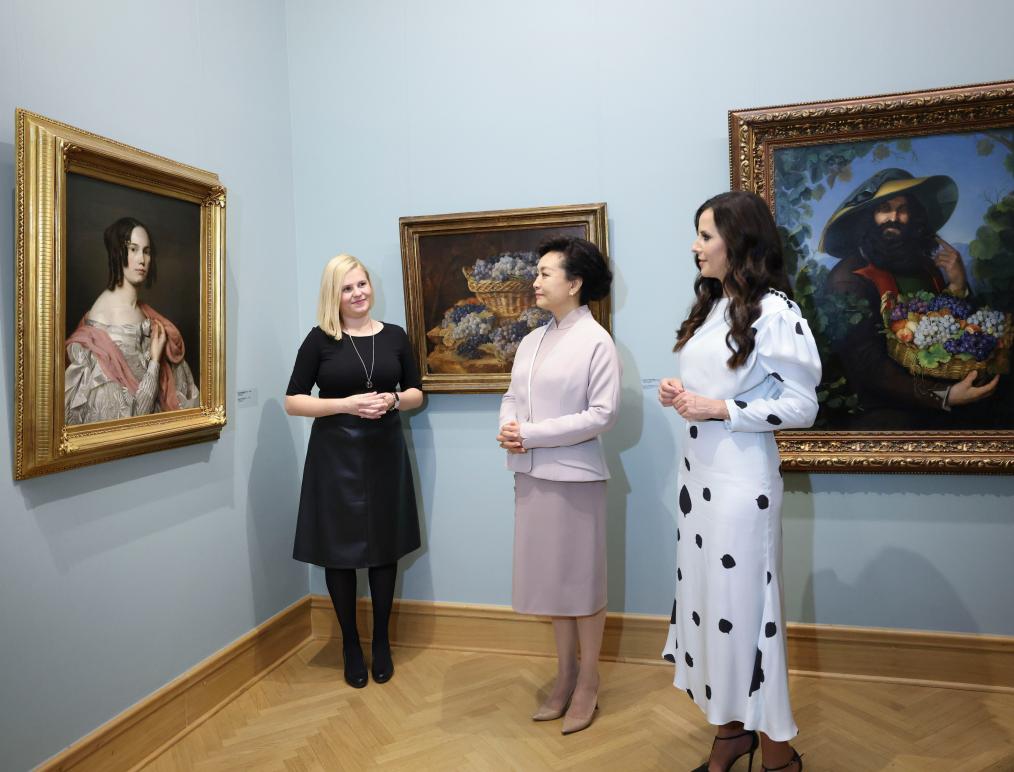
x=727, y=631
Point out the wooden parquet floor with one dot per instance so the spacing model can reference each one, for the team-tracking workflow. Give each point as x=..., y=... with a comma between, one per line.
x=449, y=710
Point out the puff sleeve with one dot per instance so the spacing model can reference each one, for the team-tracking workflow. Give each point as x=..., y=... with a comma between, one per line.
x=786, y=398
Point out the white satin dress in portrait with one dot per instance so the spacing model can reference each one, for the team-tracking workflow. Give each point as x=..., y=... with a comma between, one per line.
x=727, y=629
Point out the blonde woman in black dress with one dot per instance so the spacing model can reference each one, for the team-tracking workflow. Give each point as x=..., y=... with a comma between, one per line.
x=357, y=508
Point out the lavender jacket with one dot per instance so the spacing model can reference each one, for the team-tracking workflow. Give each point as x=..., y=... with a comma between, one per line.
x=573, y=399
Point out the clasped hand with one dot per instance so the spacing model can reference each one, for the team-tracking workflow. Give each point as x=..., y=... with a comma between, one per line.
x=370, y=405
x=691, y=406
x=510, y=438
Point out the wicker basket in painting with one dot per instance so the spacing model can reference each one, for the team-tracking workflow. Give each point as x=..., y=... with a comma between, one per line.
x=506, y=299
x=907, y=354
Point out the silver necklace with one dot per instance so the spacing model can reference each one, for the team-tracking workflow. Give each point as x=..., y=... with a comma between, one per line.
x=373, y=358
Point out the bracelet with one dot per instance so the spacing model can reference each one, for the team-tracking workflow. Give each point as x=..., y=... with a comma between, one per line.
x=397, y=401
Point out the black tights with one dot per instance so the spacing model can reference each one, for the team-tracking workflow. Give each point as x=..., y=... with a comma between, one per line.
x=341, y=585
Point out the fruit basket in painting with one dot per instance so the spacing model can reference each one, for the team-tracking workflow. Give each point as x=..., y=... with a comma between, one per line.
x=942, y=336
x=470, y=331
x=503, y=283
x=481, y=333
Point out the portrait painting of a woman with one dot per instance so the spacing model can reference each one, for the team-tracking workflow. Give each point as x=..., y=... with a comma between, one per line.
x=124, y=358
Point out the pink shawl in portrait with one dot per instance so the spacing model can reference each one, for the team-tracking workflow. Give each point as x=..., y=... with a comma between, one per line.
x=114, y=365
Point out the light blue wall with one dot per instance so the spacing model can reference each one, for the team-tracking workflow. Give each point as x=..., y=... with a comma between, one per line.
x=115, y=579
x=403, y=108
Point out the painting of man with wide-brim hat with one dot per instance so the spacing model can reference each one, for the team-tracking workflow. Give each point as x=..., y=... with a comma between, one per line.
x=884, y=236
x=936, y=196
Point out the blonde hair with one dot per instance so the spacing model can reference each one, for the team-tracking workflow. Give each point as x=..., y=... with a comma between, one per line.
x=329, y=305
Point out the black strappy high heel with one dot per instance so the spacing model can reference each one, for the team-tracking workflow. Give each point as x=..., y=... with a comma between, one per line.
x=795, y=757
x=754, y=742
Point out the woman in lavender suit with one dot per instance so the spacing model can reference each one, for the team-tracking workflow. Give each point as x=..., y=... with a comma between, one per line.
x=564, y=393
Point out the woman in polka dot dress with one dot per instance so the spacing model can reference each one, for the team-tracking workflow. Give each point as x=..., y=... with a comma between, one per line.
x=748, y=366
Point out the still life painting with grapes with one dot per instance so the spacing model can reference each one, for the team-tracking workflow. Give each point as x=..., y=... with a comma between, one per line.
x=468, y=284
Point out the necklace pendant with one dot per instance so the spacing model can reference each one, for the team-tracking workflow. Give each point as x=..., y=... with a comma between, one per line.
x=369, y=384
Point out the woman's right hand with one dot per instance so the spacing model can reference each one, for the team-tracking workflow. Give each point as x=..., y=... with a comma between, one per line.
x=668, y=390
x=370, y=405
x=158, y=339
x=510, y=438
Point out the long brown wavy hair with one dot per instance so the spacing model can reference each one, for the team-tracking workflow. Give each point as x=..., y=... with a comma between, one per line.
x=754, y=250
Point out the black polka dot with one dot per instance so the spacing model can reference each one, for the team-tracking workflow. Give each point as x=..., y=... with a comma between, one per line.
x=672, y=616
x=769, y=577
x=774, y=420
x=679, y=575
x=677, y=534
x=707, y=691
x=762, y=501
x=693, y=432
x=724, y=625
x=699, y=540
x=777, y=377
x=740, y=403
x=758, y=674
x=799, y=328
x=690, y=693
x=688, y=659
x=669, y=658
x=686, y=463
x=728, y=561
x=697, y=618
x=770, y=629
x=707, y=494
x=685, y=503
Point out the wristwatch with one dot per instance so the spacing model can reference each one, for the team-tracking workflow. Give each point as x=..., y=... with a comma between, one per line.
x=397, y=401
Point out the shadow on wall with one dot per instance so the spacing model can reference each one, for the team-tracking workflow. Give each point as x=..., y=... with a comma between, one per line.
x=625, y=434
x=108, y=491
x=423, y=577
x=7, y=283
x=272, y=499
x=898, y=589
x=798, y=545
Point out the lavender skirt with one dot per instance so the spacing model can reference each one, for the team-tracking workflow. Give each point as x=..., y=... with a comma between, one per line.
x=559, y=547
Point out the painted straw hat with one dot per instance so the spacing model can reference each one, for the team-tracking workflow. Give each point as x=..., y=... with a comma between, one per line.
x=937, y=194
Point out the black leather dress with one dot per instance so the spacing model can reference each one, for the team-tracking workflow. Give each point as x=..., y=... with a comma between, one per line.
x=357, y=507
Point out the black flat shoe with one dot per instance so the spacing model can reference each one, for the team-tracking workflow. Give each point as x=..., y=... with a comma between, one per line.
x=754, y=742
x=355, y=668
x=382, y=667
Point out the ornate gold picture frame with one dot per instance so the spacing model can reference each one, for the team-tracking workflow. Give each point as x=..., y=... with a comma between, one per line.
x=947, y=157
x=94, y=216
x=468, y=288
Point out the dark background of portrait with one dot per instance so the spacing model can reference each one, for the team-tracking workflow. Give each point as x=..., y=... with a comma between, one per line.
x=174, y=227
x=442, y=256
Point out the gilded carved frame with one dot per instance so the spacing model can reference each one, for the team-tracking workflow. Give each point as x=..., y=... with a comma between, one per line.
x=755, y=135
x=46, y=151
x=508, y=227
